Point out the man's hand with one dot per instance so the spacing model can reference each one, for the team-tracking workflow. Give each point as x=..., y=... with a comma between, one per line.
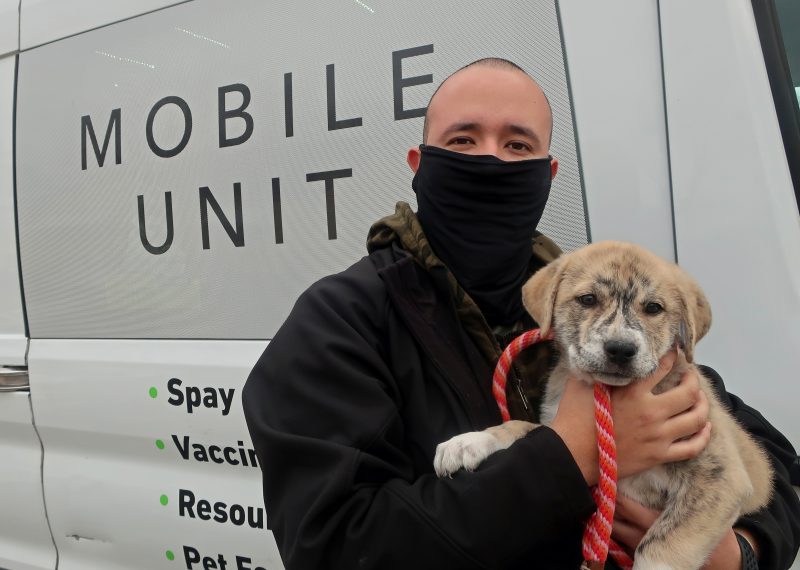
x=654, y=429
x=650, y=429
x=631, y=521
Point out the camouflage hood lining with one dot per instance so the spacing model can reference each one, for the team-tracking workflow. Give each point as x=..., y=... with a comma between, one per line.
x=404, y=226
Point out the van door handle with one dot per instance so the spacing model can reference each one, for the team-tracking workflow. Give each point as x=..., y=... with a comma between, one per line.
x=14, y=379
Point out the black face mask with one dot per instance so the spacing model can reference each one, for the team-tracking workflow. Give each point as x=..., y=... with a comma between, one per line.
x=479, y=214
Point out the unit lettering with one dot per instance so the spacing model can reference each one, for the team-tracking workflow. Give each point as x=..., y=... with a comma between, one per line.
x=194, y=560
x=219, y=511
x=214, y=453
x=102, y=137
x=240, y=117
x=113, y=126
x=195, y=397
x=236, y=232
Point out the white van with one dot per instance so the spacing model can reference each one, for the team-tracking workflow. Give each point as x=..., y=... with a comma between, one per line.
x=174, y=174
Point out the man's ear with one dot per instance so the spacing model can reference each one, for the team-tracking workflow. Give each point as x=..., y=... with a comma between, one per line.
x=540, y=292
x=553, y=168
x=413, y=157
x=698, y=313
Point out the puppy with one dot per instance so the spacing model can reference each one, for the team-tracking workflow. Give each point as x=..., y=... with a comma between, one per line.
x=615, y=310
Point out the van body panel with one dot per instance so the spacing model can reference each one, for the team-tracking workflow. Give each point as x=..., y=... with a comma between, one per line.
x=737, y=227
x=44, y=21
x=114, y=448
x=134, y=481
x=13, y=341
x=613, y=57
x=25, y=542
x=9, y=26
x=163, y=211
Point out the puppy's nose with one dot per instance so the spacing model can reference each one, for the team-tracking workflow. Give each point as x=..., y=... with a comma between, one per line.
x=619, y=351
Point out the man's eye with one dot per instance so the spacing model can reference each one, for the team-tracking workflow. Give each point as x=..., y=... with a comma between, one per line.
x=517, y=145
x=461, y=141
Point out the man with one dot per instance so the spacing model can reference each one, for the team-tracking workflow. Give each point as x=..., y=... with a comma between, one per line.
x=377, y=365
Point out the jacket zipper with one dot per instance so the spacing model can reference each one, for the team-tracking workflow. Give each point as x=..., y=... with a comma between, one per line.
x=520, y=391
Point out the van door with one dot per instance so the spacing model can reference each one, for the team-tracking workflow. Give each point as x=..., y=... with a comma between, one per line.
x=183, y=176
x=25, y=541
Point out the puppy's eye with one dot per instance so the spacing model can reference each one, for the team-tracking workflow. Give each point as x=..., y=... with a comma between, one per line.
x=653, y=308
x=587, y=300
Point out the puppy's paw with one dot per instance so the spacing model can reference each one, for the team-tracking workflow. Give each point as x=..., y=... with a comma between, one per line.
x=467, y=450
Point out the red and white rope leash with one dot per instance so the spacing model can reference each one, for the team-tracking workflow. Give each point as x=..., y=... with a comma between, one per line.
x=597, y=543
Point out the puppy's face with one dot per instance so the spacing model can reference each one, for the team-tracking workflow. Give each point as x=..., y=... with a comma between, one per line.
x=616, y=309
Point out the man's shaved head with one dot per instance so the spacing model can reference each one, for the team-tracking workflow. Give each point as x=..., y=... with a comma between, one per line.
x=491, y=62
x=490, y=107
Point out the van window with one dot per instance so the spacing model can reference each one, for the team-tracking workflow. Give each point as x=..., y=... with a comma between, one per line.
x=778, y=23
x=789, y=20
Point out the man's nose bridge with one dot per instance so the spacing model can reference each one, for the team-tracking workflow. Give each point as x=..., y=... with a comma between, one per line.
x=490, y=146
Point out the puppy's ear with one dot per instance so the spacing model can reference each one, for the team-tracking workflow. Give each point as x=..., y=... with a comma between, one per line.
x=697, y=313
x=539, y=293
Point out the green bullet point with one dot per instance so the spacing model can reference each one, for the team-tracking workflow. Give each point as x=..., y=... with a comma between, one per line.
x=170, y=556
x=164, y=500
x=159, y=444
x=153, y=392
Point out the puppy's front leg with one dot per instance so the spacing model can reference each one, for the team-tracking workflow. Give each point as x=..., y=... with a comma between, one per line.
x=689, y=528
x=468, y=450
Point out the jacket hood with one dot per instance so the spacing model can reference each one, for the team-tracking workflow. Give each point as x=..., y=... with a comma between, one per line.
x=404, y=228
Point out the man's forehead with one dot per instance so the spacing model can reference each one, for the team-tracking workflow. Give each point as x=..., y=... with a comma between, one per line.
x=479, y=77
x=472, y=94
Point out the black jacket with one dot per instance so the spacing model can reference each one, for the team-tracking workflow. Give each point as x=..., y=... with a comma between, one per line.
x=347, y=404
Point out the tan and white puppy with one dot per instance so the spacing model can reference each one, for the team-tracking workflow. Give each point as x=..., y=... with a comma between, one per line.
x=616, y=309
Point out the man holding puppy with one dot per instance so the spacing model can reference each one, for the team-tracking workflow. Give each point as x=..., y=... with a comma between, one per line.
x=377, y=365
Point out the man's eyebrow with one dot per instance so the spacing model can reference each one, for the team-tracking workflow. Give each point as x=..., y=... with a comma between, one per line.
x=459, y=127
x=472, y=126
x=526, y=132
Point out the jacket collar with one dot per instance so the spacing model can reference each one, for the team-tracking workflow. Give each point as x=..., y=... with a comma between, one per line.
x=440, y=310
